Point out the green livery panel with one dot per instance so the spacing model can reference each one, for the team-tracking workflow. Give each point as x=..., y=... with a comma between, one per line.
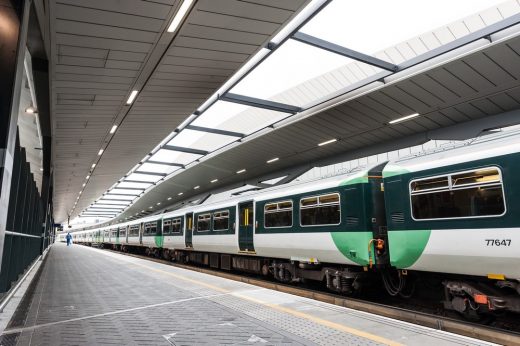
x=409, y=237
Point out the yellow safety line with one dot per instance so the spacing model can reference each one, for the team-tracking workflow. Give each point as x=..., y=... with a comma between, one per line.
x=287, y=310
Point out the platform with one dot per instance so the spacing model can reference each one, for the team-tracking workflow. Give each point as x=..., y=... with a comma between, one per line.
x=86, y=296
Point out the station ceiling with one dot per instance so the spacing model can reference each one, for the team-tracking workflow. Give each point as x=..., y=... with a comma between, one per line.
x=456, y=82
x=102, y=50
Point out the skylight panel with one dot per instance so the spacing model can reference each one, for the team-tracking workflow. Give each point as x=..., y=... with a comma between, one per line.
x=133, y=185
x=143, y=177
x=291, y=65
x=154, y=167
x=223, y=115
x=172, y=156
x=386, y=23
x=107, y=201
x=201, y=140
x=126, y=191
x=118, y=197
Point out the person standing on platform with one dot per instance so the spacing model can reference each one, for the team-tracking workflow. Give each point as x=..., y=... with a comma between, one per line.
x=69, y=239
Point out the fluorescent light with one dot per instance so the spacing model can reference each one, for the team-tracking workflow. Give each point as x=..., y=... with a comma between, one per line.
x=150, y=207
x=169, y=198
x=241, y=171
x=93, y=165
x=327, y=142
x=84, y=184
x=132, y=96
x=113, y=129
x=41, y=169
x=181, y=193
x=87, y=177
x=273, y=160
x=214, y=181
x=411, y=116
x=30, y=110
x=100, y=152
x=185, y=6
x=196, y=187
x=142, y=211
x=158, y=203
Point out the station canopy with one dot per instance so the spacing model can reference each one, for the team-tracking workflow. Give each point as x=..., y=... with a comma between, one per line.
x=330, y=50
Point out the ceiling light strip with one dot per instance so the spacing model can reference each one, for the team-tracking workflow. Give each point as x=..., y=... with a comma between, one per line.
x=179, y=16
x=405, y=118
x=132, y=97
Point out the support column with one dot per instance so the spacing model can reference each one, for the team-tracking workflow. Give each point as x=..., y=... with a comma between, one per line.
x=14, y=16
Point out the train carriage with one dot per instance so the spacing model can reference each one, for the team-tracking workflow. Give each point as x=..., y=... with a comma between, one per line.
x=449, y=213
x=456, y=211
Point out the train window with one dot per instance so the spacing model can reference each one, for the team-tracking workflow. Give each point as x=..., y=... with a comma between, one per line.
x=167, y=226
x=320, y=210
x=487, y=175
x=278, y=214
x=176, y=225
x=203, y=222
x=105, y=234
x=122, y=233
x=221, y=220
x=113, y=233
x=430, y=184
x=133, y=231
x=150, y=228
x=477, y=193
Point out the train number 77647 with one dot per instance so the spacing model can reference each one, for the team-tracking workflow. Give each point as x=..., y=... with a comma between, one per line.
x=498, y=242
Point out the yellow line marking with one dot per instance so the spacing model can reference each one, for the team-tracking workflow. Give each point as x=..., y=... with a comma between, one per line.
x=323, y=322
x=287, y=310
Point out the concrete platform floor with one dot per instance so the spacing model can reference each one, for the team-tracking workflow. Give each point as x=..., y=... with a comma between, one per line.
x=86, y=296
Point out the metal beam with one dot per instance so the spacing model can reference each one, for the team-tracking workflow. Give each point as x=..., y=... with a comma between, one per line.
x=259, y=103
x=349, y=53
x=185, y=150
x=216, y=131
x=165, y=163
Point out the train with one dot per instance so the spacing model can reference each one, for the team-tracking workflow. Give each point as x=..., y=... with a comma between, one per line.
x=451, y=214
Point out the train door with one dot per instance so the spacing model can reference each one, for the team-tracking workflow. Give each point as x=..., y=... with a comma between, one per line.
x=141, y=231
x=246, y=224
x=378, y=214
x=189, y=230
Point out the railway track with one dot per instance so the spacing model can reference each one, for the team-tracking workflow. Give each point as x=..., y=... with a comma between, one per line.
x=407, y=314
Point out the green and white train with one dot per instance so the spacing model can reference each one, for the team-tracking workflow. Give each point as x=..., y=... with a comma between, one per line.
x=453, y=214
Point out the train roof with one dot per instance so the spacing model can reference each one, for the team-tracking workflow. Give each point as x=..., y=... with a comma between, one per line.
x=496, y=144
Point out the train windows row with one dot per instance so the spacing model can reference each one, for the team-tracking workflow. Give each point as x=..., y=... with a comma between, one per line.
x=172, y=226
x=150, y=228
x=476, y=193
x=314, y=211
x=220, y=220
